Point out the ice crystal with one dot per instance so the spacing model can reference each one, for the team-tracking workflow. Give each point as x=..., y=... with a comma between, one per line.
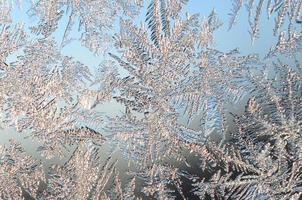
x=282, y=11
x=82, y=177
x=264, y=159
x=169, y=71
x=50, y=84
x=12, y=39
x=94, y=18
x=176, y=137
x=5, y=12
x=19, y=172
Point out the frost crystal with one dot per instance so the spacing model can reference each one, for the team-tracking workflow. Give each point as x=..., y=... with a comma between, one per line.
x=20, y=174
x=93, y=19
x=287, y=13
x=265, y=152
x=179, y=132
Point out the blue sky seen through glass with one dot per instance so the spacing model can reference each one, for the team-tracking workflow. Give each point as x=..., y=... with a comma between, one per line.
x=225, y=40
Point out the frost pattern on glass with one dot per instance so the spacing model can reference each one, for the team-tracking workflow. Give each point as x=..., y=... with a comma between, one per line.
x=286, y=14
x=264, y=160
x=20, y=174
x=166, y=75
x=91, y=18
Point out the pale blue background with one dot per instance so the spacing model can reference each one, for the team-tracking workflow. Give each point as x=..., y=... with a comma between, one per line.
x=225, y=40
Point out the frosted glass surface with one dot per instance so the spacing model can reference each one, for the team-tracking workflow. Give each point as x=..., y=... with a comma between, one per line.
x=150, y=99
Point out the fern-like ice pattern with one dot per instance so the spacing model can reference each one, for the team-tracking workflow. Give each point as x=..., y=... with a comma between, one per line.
x=178, y=135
